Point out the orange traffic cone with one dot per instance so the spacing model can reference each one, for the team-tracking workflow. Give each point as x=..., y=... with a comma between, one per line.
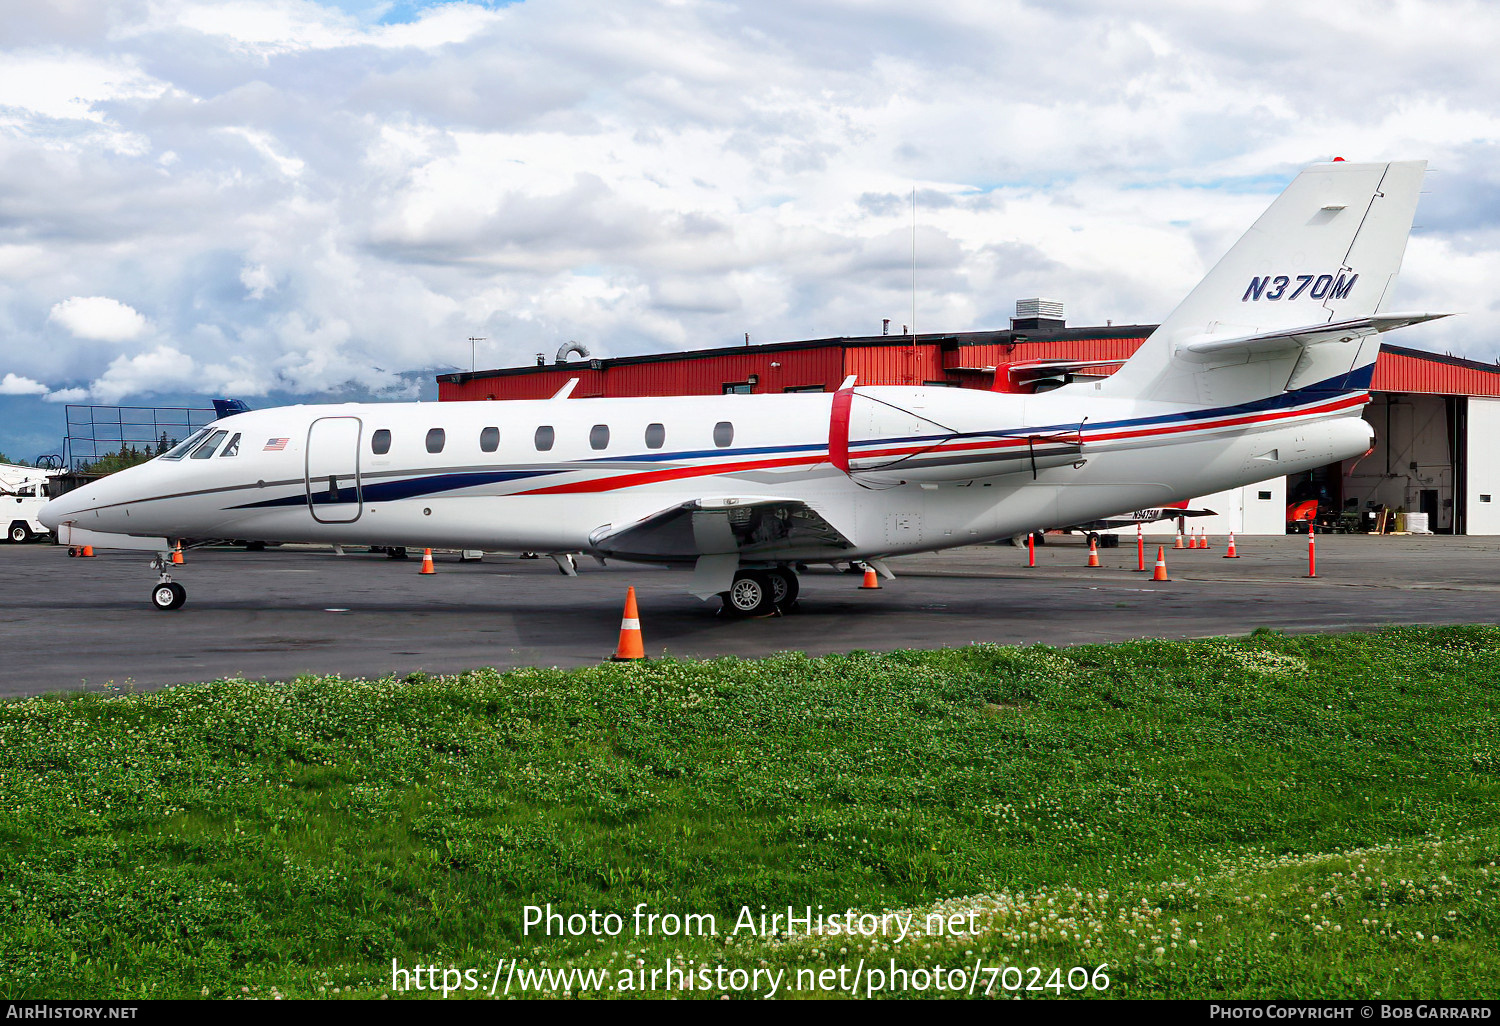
x=1161, y=565
x=1231, y=554
x=1206, y=543
x=1198, y=541
x=631, y=646
x=427, y=567
x=177, y=555
x=871, y=581
x=88, y=550
x=1093, y=552
x=1179, y=544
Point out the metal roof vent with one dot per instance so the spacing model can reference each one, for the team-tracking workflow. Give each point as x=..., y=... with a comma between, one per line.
x=1038, y=315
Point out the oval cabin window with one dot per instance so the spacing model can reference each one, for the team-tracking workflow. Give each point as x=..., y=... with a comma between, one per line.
x=489, y=439
x=723, y=434
x=435, y=439
x=544, y=438
x=656, y=436
x=599, y=436
x=380, y=442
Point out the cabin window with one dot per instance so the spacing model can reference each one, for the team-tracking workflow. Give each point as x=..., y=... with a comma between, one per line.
x=656, y=436
x=436, y=437
x=380, y=442
x=233, y=448
x=723, y=434
x=545, y=436
x=180, y=449
x=489, y=439
x=599, y=436
x=206, y=450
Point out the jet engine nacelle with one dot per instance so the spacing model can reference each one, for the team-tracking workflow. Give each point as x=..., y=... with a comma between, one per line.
x=880, y=442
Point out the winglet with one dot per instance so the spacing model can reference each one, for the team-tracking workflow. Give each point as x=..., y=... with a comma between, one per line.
x=566, y=390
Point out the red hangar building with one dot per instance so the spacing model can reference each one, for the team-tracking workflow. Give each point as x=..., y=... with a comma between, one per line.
x=1436, y=417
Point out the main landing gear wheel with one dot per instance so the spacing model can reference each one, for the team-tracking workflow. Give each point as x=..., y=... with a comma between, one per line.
x=784, y=588
x=168, y=595
x=751, y=594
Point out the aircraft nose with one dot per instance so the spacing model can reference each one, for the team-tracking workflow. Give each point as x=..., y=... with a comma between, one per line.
x=55, y=511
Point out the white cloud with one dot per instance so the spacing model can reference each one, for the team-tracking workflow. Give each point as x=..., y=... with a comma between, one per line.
x=98, y=318
x=14, y=384
x=163, y=369
x=258, y=280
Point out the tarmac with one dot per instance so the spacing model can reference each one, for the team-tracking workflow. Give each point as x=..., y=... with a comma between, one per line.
x=87, y=624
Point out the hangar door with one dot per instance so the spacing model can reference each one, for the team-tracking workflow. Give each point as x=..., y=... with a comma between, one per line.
x=333, y=492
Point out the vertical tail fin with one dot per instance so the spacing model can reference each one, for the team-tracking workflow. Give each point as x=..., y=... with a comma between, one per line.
x=1327, y=250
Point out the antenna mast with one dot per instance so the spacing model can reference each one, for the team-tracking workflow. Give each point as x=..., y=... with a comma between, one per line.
x=914, y=262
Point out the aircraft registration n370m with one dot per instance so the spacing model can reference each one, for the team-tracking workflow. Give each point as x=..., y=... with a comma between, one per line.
x=1261, y=371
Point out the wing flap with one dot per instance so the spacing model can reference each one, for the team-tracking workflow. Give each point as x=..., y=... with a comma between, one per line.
x=750, y=527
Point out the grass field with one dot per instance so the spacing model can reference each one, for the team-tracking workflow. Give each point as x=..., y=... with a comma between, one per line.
x=1315, y=816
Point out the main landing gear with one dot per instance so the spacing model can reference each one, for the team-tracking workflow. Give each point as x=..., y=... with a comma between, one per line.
x=167, y=594
x=761, y=592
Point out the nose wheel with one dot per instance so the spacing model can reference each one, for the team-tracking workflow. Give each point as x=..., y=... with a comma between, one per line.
x=167, y=594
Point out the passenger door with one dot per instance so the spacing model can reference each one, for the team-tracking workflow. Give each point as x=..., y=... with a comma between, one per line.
x=333, y=491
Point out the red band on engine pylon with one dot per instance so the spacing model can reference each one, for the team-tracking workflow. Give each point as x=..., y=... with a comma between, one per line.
x=838, y=429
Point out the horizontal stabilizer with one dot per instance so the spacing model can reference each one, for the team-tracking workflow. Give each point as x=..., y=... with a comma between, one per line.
x=1211, y=347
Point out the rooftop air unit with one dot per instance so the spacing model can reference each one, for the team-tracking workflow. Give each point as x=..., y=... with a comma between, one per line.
x=1038, y=315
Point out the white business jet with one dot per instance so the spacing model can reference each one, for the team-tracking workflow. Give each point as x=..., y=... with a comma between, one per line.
x=1261, y=371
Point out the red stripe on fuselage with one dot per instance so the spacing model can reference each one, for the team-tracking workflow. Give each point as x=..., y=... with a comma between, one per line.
x=609, y=484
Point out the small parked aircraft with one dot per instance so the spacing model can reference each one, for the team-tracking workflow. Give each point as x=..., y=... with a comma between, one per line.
x=1261, y=371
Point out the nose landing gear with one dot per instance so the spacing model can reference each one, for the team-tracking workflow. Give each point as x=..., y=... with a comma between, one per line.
x=167, y=594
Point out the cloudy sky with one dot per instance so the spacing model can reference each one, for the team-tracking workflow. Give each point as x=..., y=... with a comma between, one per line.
x=276, y=199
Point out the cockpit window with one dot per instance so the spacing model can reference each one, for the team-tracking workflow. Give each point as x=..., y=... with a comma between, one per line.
x=233, y=448
x=206, y=450
x=180, y=450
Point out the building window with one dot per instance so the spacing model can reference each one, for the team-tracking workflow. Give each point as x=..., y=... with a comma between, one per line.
x=489, y=439
x=723, y=434
x=435, y=440
x=544, y=438
x=380, y=442
x=599, y=436
x=803, y=388
x=737, y=388
x=1262, y=495
x=656, y=436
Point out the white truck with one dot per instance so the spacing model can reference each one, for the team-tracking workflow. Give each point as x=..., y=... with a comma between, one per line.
x=23, y=492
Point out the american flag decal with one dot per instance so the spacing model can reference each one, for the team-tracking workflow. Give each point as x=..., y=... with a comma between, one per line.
x=275, y=444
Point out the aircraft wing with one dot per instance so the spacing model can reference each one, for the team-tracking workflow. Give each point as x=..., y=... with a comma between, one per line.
x=1210, y=347
x=67, y=534
x=752, y=527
